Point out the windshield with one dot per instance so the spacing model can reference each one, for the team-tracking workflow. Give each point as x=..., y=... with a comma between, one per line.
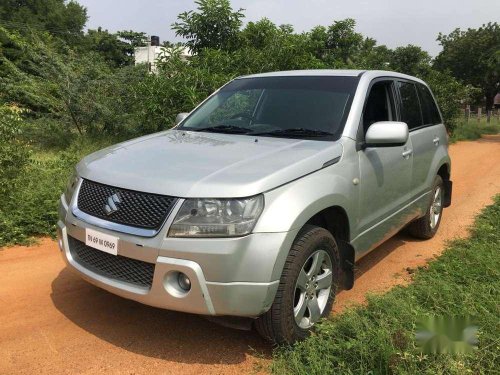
x=312, y=107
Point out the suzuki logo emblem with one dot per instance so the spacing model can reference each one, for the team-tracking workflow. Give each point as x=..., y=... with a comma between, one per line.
x=112, y=205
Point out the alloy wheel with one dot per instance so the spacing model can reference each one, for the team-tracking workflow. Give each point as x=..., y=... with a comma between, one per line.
x=436, y=207
x=312, y=289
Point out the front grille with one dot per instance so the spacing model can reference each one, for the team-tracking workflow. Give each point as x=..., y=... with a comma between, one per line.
x=115, y=267
x=128, y=207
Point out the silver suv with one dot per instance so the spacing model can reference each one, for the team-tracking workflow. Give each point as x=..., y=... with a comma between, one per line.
x=259, y=202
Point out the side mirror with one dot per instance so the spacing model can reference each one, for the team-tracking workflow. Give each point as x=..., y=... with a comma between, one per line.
x=181, y=116
x=386, y=134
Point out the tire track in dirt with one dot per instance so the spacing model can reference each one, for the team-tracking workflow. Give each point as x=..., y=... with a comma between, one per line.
x=53, y=322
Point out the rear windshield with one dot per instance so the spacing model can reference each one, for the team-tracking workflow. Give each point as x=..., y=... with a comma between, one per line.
x=314, y=107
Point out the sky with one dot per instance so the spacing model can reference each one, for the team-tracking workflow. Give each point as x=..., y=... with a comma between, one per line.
x=390, y=22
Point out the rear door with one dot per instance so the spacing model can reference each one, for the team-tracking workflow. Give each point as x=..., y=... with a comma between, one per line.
x=420, y=112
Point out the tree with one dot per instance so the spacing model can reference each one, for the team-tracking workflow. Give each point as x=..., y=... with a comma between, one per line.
x=117, y=49
x=214, y=25
x=77, y=91
x=372, y=56
x=114, y=51
x=339, y=45
x=343, y=41
x=410, y=60
x=473, y=57
x=449, y=93
x=61, y=18
x=133, y=38
x=260, y=34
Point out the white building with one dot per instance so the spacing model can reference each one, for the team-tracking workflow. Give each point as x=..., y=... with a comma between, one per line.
x=150, y=53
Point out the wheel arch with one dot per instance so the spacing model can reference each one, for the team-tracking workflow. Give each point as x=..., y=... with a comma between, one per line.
x=335, y=220
x=325, y=199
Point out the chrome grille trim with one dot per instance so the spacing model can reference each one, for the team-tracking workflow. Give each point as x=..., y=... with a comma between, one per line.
x=102, y=223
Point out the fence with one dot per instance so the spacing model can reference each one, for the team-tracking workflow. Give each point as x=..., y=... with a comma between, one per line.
x=481, y=114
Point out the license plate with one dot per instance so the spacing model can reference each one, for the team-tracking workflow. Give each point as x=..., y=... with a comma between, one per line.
x=101, y=241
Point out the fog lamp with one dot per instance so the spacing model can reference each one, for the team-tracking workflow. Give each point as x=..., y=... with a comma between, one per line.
x=184, y=281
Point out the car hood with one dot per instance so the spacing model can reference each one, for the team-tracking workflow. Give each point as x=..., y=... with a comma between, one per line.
x=194, y=164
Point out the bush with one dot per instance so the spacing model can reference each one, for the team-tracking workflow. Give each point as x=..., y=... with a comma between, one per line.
x=13, y=153
x=30, y=209
x=468, y=131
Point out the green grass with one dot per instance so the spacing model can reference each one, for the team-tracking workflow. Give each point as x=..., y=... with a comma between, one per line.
x=468, y=131
x=379, y=338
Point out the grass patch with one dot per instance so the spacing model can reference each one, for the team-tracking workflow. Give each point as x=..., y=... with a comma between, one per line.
x=379, y=338
x=469, y=131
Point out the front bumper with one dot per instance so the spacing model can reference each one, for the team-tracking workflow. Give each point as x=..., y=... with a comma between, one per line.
x=229, y=276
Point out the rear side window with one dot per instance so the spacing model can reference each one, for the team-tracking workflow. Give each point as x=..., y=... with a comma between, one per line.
x=430, y=112
x=410, y=105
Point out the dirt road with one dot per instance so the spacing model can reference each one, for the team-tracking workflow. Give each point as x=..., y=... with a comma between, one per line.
x=53, y=322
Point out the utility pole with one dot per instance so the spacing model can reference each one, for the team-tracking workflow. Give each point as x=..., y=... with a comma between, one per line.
x=148, y=44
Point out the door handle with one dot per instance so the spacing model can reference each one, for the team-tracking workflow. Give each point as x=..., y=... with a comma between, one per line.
x=436, y=141
x=406, y=154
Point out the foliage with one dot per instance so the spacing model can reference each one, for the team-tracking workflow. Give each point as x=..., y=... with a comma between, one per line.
x=61, y=18
x=379, y=338
x=473, y=57
x=116, y=49
x=260, y=34
x=469, y=131
x=342, y=41
x=30, y=206
x=214, y=25
x=113, y=50
x=84, y=89
x=410, y=60
x=371, y=56
x=133, y=38
x=81, y=92
x=449, y=93
x=339, y=45
x=13, y=154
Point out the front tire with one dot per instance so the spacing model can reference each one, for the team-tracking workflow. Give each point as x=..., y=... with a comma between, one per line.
x=307, y=287
x=427, y=226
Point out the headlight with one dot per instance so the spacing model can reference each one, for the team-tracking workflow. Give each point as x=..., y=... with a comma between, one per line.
x=217, y=217
x=70, y=187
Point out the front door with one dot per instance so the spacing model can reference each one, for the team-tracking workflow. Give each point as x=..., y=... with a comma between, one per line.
x=385, y=175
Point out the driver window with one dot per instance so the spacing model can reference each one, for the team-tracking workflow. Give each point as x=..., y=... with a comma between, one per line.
x=379, y=105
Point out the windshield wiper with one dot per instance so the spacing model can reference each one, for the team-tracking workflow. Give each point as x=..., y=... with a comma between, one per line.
x=296, y=132
x=229, y=129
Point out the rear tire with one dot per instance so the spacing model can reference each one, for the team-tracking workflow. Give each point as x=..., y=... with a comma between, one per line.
x=427, y=226
x=307, y=288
